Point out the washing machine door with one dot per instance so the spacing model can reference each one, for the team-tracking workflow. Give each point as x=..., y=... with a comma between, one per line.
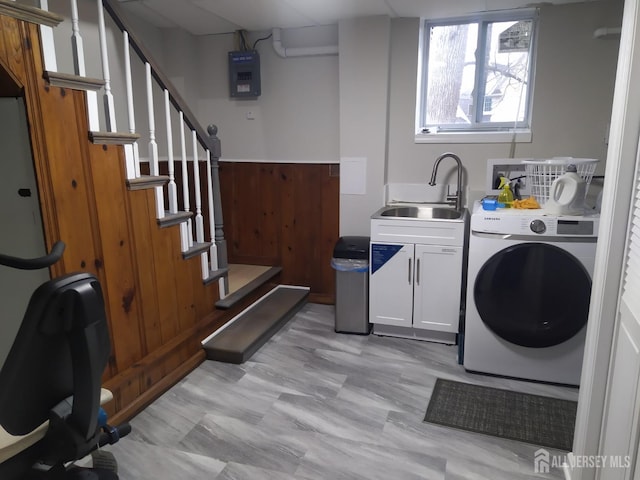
x=533, y=294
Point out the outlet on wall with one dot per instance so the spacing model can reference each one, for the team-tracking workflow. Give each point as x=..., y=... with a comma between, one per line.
x=510, y=168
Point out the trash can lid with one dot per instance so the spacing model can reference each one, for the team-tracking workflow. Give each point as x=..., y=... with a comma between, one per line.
x=352, y=247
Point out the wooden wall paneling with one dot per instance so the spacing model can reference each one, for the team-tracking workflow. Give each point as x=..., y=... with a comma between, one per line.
x=288, y=245
x=195, y=300
x=14, y=42
x=10, y=84
x=209, y=295
x=268, y=208
x=145, y=230
x=4, y=57
x=128, y=391
x=311, y=225
x=113, y=212
x=247, y=213
x=202, y=303
x=252, y=222
x=70, y=194
x=121, y=283
x=97, y=262
x=183, y=284
x=164, y=273
x=309, y=206
x=143, y=226
x=301, y=203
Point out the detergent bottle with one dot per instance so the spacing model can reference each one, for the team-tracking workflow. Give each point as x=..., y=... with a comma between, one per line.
x=505, y=196
x=566, y=195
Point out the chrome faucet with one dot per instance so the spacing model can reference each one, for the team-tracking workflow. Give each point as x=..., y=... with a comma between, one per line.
x=451, y=199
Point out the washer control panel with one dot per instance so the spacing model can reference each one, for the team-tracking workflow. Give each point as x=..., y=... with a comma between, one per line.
x=537, y=226
x=534, y=222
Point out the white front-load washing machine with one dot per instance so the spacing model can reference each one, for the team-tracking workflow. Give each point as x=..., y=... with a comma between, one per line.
x=528, y=293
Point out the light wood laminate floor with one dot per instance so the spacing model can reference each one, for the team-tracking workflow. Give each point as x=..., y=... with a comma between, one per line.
x=313, y=404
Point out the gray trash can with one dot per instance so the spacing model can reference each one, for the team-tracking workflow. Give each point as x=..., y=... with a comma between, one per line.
x=351, y=263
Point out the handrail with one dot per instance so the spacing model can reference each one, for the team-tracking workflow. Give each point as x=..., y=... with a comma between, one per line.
x=34, y=263
x=178, y=102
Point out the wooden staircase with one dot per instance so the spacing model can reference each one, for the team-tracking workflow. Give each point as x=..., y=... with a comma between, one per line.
x=161, y=297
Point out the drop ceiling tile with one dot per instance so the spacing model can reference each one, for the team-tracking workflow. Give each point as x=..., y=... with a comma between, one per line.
x=325, y=12
x=140, y=10
x=191, y=17
x=256, y=14
x=437, y=8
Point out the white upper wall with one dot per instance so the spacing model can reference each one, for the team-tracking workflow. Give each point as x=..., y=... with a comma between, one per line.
x=364, y=90
x=295, y=118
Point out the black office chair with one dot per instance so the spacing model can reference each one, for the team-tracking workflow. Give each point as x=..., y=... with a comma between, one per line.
x=53, y=374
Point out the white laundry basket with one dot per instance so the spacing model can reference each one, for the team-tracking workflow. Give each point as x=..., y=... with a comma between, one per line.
x=542, y=172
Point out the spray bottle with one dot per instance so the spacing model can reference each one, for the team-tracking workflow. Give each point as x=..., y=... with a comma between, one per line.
x=505, y=196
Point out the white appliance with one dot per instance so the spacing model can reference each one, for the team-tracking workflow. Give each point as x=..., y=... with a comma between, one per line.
x=528, y=293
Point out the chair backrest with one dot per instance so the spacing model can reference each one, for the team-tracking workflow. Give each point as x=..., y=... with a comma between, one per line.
x=61, y=351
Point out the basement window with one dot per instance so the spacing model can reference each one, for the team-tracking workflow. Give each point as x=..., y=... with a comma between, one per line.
x=476, y=79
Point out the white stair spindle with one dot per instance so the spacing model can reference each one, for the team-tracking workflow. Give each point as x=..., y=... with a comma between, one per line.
x=186, y=233
x=173, y=190
x=76, y=41
x=48, y=45
x=213, y=251
x=77, y=50
x=196, y=190
x=132, y=153
x=154, y=165
x=108, y=96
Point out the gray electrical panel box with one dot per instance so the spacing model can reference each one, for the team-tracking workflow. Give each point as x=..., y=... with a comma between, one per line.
x=244, y=74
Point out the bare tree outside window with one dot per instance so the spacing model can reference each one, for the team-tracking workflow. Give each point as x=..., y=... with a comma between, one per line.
x=448, y=49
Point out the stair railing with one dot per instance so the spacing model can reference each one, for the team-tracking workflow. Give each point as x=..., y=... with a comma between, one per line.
x=172, y=205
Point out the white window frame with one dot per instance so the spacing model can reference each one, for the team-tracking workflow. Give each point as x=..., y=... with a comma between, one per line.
x=475, y=133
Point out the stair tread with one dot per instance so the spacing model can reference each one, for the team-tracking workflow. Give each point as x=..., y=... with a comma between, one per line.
x=216, y=275
x=238, y=340
x=78, y=82
x=113, y=138
x=198, y=248
x=171, y=219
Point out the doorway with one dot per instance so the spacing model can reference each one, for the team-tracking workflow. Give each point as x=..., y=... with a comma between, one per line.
x=22, y=232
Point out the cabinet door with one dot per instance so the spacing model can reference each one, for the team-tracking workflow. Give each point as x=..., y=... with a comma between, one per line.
x=391, y=284
x=438, y=280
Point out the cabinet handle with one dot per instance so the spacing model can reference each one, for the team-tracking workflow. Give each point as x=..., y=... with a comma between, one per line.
x=409, y=277
x=418, y=271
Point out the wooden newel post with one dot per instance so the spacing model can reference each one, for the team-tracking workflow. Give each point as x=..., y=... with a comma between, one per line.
x=213, y=144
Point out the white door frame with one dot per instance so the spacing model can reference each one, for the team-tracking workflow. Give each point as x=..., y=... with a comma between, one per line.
x=611, y=250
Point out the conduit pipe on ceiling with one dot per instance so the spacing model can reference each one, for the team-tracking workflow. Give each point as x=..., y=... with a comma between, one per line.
x=300, y=51
x=607, y=32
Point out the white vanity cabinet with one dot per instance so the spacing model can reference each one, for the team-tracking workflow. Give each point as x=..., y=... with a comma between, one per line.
x=416, y=277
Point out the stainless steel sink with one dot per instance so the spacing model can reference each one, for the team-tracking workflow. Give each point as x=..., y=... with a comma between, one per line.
x=419, y=212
